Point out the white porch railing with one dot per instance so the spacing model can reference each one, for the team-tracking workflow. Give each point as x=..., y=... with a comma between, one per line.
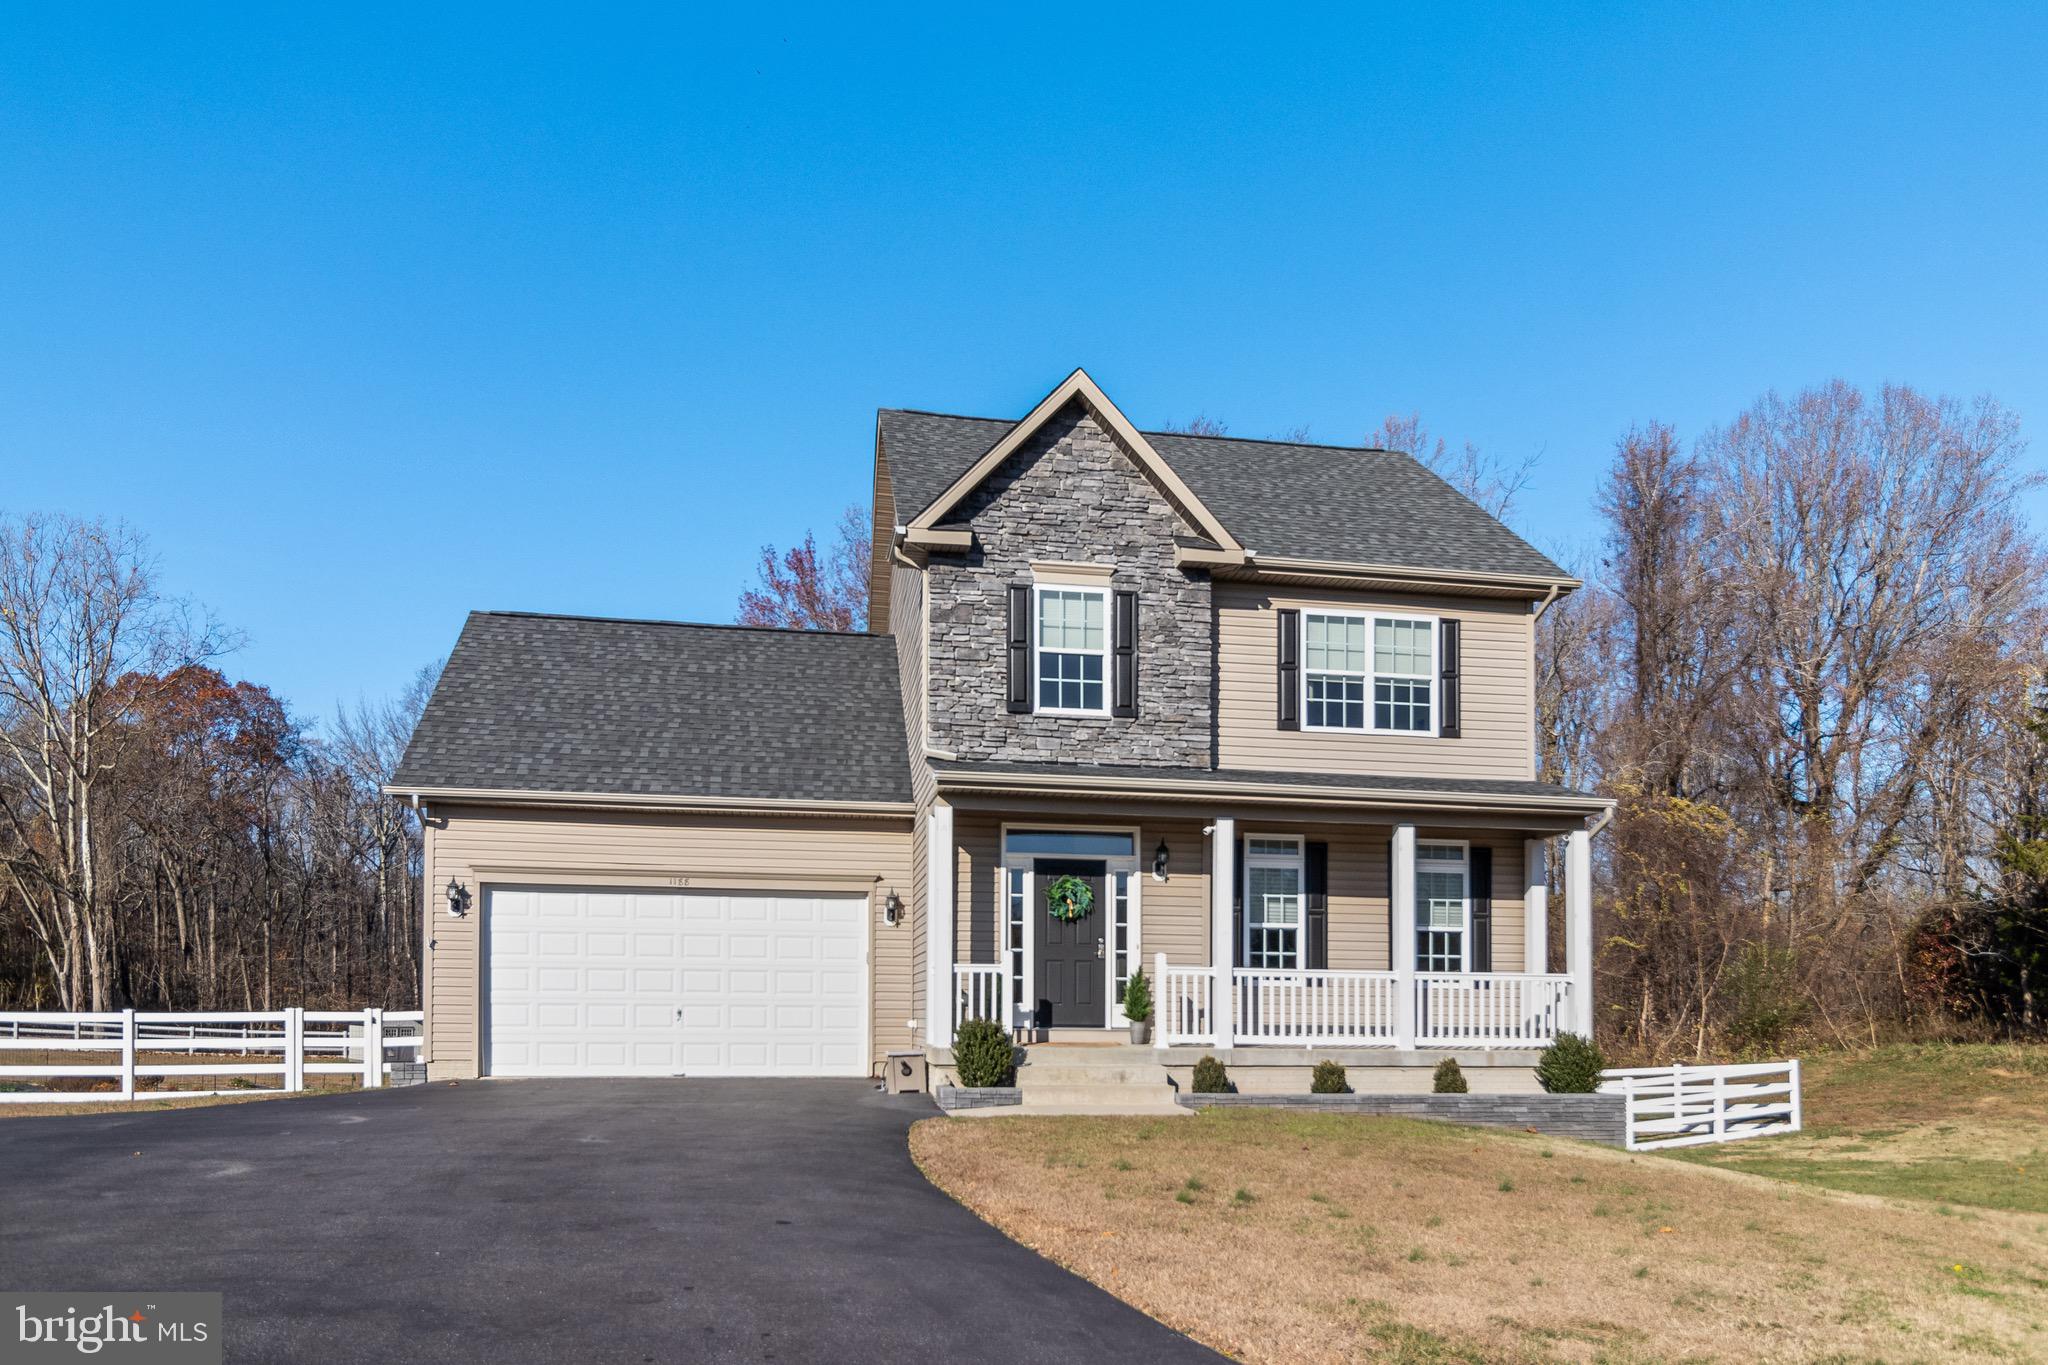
x=979, y=992
x=1180, y=1003
x=1691, y=1106
x=338, y=1042
x=1490, y=1009
x=1310, y=1009
x=1493, y=1010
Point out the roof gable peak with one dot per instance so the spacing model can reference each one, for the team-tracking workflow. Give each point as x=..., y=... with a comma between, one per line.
x=1076, y=386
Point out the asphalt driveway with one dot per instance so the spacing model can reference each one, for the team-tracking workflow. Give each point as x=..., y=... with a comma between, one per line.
x=639, y=1221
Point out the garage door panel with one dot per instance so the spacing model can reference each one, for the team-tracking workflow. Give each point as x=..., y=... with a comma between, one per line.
x=628, y=983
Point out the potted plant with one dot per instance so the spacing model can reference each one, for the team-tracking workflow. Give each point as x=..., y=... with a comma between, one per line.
x=1138, y=1006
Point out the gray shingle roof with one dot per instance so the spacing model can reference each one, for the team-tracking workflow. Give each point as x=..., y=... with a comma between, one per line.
x=657, y=708
x=1279, y=498
x=1166, y=777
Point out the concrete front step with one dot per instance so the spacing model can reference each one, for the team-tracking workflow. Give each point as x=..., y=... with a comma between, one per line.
x=1061, y=1074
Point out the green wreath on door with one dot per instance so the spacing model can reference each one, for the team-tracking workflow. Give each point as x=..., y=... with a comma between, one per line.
x=1069, y=898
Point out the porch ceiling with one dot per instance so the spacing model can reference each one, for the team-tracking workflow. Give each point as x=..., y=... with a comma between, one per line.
x=1402, y=796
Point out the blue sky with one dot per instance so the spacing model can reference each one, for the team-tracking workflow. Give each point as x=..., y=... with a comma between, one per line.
x=369, y=318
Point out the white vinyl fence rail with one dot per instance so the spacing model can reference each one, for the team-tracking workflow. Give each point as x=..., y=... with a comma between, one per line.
x=1690, y=1106
x=288, y=1045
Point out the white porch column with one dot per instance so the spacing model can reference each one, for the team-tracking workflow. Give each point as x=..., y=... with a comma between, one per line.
x=1536, y=906
x=938, y=926
x=1401, y=950
x=1578, y=926
x=1222, y=927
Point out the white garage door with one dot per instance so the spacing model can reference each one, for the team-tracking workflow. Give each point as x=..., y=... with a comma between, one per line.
x=615, y=983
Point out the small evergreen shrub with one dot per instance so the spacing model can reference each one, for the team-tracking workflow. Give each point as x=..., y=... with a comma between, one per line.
x=1328, y=1079
x=1570, y=1066
x=1211, y=1078
x=982, y=1054
x=1764, y=991
x=1138, y=997
x=1450, y=1079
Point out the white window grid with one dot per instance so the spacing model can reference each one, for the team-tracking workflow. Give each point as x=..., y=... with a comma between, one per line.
x=1443, y=905
x=1369, y=672
x=1070, y=630
x=1274, y=922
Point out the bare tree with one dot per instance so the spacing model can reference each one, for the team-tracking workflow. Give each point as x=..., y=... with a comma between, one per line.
x=799, y=589
x=1492, y=481
x=1201, y=424
x=78, y=611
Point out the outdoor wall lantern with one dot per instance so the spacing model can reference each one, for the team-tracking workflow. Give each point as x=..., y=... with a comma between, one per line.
x=1159, y=862
x=458, y=899
x=892, y=907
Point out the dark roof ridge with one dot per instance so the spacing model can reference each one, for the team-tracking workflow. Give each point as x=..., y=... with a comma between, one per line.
x=689, y=625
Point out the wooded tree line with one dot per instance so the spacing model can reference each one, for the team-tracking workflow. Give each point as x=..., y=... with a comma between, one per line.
x=1809, y=665
x=169, y=838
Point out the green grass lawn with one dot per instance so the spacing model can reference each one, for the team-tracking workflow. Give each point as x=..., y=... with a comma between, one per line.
x=1961, y=1125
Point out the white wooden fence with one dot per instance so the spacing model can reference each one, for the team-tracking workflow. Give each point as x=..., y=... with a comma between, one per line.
x=289, y=1044
x=1691, y=1106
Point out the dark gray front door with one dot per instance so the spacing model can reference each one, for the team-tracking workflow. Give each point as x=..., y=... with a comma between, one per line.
x=1069, y=952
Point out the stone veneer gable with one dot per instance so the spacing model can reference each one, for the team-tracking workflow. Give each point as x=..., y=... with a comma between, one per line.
x=1071, y=493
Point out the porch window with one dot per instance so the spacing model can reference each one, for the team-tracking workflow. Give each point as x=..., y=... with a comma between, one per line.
x=1272, y=903
x=1013, y=929
x=1375, y=673
x=1442, y=907
x=1072, y=649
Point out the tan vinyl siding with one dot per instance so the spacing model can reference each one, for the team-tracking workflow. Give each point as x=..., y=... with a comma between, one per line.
x=881, y=547
x=978, y=853
x=1173, y=915
x=1498, y=725
x=909, y=629
x=479, y=846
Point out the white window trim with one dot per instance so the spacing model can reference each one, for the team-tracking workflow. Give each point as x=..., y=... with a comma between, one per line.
x=1464, y=866
x=1038, y=651
x=1372, y=676
x=1299, y=862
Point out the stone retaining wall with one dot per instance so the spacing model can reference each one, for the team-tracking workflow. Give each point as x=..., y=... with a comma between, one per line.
x=953, y=1097
x=1593, y=1118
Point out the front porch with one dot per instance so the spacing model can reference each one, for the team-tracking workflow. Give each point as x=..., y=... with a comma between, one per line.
x=1274, y=928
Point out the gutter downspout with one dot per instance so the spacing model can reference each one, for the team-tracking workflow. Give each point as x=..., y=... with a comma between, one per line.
x=1547, y=601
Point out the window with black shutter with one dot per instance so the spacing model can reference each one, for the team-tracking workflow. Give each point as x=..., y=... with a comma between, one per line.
x=1482, y=909
x=1018, y=675
x=1289, y=679
x=1449, y=650
x=1124, y=690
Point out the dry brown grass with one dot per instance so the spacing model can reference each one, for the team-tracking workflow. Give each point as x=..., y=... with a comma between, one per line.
x=1298, y=1237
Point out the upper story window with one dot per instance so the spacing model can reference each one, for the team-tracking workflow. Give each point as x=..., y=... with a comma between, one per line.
x=1374, y=673
x=1073, y=648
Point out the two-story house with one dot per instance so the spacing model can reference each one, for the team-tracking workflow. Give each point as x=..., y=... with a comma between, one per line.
x=1256, y=716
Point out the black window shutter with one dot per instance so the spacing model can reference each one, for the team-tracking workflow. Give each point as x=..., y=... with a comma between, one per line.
x=1125, y=693
x=1451, y=688
x=1481, y=956
x=1019, y=691
x=1237, y=909
x=1290, y=669
x=1318, y=896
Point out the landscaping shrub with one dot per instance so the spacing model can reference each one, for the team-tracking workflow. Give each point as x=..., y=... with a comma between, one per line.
x=1570, y=1066
x=982, y=1054
x=1450, y=1079
x=1328, y=1079
x=1138, y=997
x=1763, y=990
x=1211, y=1078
